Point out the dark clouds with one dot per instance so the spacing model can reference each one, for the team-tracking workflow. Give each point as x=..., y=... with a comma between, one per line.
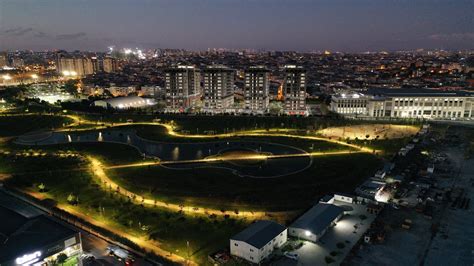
x=19, y=32
x=344, y=25
x=69, y=37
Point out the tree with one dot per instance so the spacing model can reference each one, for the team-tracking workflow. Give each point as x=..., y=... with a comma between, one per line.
x=70, y=86
x=61, y=258
x=72, y=199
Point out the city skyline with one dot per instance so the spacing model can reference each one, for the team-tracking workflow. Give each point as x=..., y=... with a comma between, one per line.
x=299, y=25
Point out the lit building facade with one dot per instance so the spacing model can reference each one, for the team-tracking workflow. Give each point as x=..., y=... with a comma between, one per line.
x=294, y=90
x=183, y=87
x=75, y=66
x=406, y=103
x=109, y=65
x=218, y=93
x=3, y=59
x=82, y=66
x=258, y=241
x=30, y=237
x=256, y=89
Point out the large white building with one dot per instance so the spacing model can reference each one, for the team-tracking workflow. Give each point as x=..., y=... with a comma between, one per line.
x=218, y=93
x=315, y=222
x=294, y=90
x=183, y=87
x=125, y=102
x=258, y=241
x=405, y=103
x=256, y=89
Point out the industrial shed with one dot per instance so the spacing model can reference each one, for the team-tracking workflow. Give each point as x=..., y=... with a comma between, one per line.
x=314, y=223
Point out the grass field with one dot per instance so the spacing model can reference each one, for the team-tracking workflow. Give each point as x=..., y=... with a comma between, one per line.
x=18, y=125
x=207, y=187
x=205, y=234
x=198, y=124
x=220, y=188
x=388, y=146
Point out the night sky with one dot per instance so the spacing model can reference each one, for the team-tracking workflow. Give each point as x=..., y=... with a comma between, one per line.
x=304, y=25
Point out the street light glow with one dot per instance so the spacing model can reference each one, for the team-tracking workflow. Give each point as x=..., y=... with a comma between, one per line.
x=6, y=77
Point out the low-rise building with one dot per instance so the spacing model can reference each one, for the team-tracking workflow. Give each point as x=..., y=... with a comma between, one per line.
x=405, y=103
x=28, y=237
x=258, y=241
x=314, y=223
x=124, y=102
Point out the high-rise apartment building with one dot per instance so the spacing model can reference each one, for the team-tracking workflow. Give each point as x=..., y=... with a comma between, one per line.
x=74, y=66
x=183, y=87
x=218, y=93
x=81, y=66
x=109, y=65
x=294, y=90
x=256, y=89
x=3, y=59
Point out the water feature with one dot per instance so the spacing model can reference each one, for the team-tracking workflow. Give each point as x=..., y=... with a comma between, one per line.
x=167, y=151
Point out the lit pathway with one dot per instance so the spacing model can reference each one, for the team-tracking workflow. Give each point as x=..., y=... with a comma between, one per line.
x=287, y=133
x=98, y=170
x=240, y=158
x=146, y=244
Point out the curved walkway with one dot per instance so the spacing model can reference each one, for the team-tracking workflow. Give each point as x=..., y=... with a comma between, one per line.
x=99, y=171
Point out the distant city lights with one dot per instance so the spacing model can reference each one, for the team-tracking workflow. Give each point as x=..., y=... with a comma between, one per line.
x=137, y=52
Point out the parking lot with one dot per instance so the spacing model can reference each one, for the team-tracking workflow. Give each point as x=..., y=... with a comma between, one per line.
x=440, y=231
x=336, y=242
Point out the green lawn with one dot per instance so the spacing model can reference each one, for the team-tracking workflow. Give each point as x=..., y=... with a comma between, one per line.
x=222, y=189
x=18, y=125
x=205, y=234
x=388, y=146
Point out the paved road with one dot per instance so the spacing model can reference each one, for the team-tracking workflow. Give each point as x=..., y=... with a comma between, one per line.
x=91, y=244
x=98, y=248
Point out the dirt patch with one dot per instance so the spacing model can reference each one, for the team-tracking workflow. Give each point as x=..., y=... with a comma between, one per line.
x=375, y=131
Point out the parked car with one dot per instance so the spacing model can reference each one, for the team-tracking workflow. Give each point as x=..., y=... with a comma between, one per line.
x=291, y=255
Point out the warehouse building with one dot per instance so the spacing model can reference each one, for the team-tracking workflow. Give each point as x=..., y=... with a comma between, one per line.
x=314, y=223
x=28, y=237
x=258, y=241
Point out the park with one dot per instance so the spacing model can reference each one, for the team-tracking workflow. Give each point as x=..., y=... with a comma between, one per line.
x=154, y=178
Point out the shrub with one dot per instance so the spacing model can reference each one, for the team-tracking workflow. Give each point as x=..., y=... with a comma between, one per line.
x=329, y=260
